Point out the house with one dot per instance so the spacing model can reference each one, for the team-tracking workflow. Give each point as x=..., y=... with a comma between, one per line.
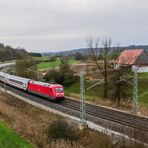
x=134, y=57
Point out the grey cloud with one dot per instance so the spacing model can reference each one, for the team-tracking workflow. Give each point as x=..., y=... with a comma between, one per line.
x=39, y=25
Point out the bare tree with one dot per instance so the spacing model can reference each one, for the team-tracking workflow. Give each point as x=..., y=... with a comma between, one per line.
x=102, y=58
x=120, y=84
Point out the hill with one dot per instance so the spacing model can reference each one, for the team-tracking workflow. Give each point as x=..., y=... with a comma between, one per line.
x=68, y=52
x=85, y=50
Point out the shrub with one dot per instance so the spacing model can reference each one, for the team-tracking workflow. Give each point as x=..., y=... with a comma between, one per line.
x=52, y=59
x=78, y=56
x=64, y=75
x=60, y=129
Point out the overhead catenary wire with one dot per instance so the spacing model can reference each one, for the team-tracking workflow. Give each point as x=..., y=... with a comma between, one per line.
x=100, y=82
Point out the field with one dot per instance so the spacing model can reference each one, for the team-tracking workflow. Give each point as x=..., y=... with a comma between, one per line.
x=9, y=138
x=41, y=58
x=45, y=65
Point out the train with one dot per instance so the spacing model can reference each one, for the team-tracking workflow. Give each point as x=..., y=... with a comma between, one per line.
x=48, y=90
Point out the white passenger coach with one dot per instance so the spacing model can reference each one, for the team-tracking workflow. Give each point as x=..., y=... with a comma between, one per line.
x=15, y=81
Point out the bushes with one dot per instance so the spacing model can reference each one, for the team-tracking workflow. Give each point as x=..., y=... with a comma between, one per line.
x=60, y=129
x=52, y=59
x=79, y=56
x=64, y=75
x=26, y=68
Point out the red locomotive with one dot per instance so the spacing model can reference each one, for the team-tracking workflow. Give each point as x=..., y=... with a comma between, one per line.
x=50, y=91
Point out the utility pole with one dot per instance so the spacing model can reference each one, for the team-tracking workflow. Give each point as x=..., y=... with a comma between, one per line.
x=83, y=123
x=135, y=91
x=82, y=102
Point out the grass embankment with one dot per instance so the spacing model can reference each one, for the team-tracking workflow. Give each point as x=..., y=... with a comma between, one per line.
x=44, y=65
x=91, y=94
x=8, y=138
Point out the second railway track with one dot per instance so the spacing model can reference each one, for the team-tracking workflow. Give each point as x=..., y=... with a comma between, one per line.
x=109, y=114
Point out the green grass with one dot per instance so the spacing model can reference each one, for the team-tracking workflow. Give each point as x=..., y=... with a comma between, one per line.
x=90, y=94
x=44, y=65
x=41, y=58
x=9, y=139
x=143, y=75
x=97, y=91
x=143, y=88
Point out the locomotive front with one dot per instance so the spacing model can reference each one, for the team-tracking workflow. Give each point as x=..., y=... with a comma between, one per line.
x=58, y=91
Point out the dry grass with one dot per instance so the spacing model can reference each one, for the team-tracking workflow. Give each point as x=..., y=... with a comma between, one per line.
x=144, y=111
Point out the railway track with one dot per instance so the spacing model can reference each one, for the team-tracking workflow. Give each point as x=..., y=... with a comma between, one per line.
x=96, y=114
x=109, y=114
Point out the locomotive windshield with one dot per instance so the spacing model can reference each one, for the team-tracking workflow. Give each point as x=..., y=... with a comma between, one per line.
x=59, y=90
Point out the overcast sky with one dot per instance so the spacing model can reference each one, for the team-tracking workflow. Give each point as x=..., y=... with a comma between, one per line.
x=52, y=25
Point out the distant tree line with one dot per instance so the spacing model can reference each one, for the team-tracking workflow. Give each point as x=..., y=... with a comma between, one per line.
x=35, y=54
x=9, y=53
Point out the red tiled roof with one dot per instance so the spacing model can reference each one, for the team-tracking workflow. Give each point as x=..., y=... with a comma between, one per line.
x=129, y=57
